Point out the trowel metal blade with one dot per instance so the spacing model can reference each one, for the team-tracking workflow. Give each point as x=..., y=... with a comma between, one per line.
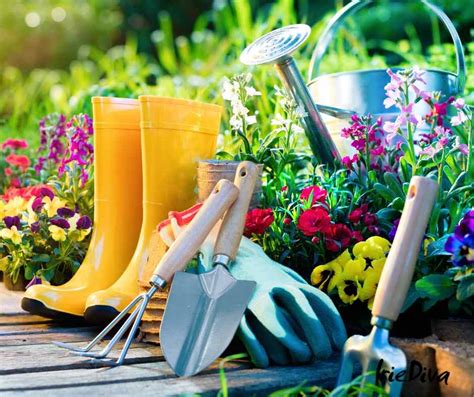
x=201, y=317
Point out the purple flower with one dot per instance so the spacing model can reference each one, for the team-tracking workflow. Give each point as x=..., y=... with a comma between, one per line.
x=34, y=281
x=84, y=222
x=393, y=231
x=37, y=204
x=60, y=222
x=66, y=212
x=461, y=243
x=11, y=221
x=46, y=192
x=35, y=227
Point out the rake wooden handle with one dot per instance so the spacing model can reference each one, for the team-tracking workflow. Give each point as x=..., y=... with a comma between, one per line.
x=400, y=265
x=188, y=242
x=230, y=232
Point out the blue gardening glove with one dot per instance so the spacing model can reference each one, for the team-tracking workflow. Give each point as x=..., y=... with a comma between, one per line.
x=287, y=321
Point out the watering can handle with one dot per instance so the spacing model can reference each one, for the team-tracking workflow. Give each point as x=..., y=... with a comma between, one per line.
x=400, y=265
x=338, y=19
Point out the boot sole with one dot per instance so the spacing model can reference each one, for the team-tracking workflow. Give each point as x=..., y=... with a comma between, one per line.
x=101, y=314
x=37, y=307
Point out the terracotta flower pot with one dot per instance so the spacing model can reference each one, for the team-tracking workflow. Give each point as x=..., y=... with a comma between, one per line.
x=209, y=172
x=18, y=285
x=454, y=329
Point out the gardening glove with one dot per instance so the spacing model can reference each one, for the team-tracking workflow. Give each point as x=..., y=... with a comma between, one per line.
x=287, y=321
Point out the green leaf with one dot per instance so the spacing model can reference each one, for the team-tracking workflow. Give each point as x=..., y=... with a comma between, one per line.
x=435, y=286
x=43, y=258
x=411, y=298
x=393, y=183
x=385, y=192
x=437, y=247
x=465, y=288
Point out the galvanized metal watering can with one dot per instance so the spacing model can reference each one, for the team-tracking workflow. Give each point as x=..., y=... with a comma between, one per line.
x=340, y=95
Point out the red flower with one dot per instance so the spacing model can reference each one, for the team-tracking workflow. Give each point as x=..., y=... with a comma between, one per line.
x=15, y=144
x=370, y=219
x=28, y=192
x=316, y=192
x=287, y=221
x=19, y=161
x=258, y=220
x=8, y=171
x=314, y=220
x=356, y=215
x=338, y=237
x=357, y=235
x=284, y=188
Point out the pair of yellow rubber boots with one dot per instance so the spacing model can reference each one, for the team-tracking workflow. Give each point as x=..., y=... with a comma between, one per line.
x=146, y=152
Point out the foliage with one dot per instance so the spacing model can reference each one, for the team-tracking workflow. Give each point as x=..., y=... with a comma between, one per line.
x=46, y=211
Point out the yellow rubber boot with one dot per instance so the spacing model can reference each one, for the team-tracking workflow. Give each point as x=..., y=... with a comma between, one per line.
x=176, y=133
x=117, y=211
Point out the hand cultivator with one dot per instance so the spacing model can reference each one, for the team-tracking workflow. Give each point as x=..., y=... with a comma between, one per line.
x=175, y=259
x=374, y=351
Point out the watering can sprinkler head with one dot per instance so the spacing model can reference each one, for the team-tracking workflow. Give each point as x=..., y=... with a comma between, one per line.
x=276, y=47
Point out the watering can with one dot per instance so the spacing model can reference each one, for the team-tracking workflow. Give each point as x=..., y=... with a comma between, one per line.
x=340, y=95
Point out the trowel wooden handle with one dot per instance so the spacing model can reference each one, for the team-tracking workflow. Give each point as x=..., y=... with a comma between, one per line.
x=230, y=232
x=188, y=242
x=400, y=265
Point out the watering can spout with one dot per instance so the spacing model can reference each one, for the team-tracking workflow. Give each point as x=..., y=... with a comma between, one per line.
x=317, y=133
x=276, y=47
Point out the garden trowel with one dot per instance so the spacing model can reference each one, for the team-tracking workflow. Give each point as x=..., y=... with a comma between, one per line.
x=374, y=352
x=204, y=311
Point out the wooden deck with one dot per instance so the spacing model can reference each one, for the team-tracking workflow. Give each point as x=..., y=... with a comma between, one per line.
x=31, y=366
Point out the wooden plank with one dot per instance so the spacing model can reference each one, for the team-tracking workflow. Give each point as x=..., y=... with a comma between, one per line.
x=153, y=379
x=83, y=334
x=47, y=357
x=22, y=318
x=43, y=328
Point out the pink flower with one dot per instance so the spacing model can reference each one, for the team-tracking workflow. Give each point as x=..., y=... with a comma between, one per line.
x=8, y=171
x=459, y=103
x=20, y=161
x=313, y=221
x=258, y=220
x=378, y=151
x=318, y=194
x=347, y=161
x=462, y=147
x=15, y=144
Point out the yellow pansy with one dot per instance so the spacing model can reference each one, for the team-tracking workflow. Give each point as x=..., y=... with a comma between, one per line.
x=348, y=288
x=2, y=207
x=323, y=275
x=31, y=216
x=15, y=206
x=73, y=223
x=374, y=247
x=57, y=233
x=52, y=206
x=11, y=234
x=370, y=266
x=367, y=292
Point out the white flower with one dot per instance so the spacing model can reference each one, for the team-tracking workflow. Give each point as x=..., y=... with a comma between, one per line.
x=235, y=122
x=459, y=119
x=300, y=111
x=229, y=90
x=238, y=108
x=251, y=91
x=251, y=119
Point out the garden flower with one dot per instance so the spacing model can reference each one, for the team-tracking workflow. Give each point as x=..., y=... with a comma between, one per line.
x=258, y=220
x=374, y=247
x=11, y=234
x=314, y=220
x=461, y=243
x=60, y=222
x=57, y=233
x=356, y=215
x=65, y=212
x=11, y=221
x=316, y=194
x=348, y=283
x=15, y=206
x=348, y=161
x=393, y=230
x=85, y=222
x=35, y=227
x=337, y=237
x=459, y=119
x=322, y=276
x=14, y=144
x=369, y=287
x=52, y=205
x=18, y=160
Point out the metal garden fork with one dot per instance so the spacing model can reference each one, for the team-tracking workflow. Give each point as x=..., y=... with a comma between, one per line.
x=176, y=258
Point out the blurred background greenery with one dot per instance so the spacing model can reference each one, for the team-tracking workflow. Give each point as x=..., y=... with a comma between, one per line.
x=56, y=54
